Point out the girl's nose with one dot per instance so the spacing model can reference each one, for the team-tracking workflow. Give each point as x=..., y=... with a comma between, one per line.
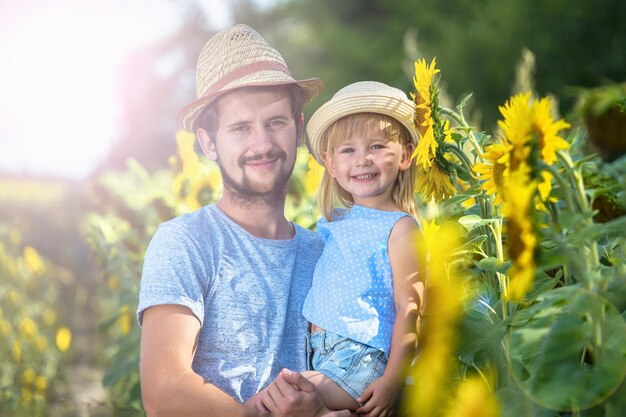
x=363, y=159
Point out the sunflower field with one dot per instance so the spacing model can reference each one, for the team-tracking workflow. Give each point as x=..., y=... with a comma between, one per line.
x=33, y=340
x=524, y=238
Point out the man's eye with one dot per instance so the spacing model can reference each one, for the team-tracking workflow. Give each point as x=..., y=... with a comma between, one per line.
x=277, y=123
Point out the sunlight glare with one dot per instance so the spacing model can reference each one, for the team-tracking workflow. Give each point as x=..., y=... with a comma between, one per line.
x=60, y=109
x=61, y=83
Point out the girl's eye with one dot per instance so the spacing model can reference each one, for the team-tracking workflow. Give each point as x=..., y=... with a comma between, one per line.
x=346, y=150
x=378, y=146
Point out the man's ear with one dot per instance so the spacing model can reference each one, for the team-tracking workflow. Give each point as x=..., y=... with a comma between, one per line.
x=299, y=129
x=207, y=144
x=406, y=161
x=328, y=163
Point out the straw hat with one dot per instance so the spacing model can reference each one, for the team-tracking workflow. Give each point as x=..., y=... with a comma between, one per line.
x=359, y=97
x=238, y=57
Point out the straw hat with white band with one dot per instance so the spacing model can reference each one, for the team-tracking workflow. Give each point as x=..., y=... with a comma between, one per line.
x=359, y=97
x=238, y=57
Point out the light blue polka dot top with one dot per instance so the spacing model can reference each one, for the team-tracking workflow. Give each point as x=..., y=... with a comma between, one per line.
x=352, y=290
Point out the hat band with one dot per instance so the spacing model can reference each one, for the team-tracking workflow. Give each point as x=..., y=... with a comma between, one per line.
x=243, y=71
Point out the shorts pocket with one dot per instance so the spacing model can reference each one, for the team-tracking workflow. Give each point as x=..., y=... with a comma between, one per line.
x=346, y=353
x=337, y=343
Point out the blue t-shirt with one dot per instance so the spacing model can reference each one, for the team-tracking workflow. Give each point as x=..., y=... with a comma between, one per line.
x=352, y=291
x=247, y=293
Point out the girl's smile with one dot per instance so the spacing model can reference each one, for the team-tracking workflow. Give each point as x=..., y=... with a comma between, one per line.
x=366, y=166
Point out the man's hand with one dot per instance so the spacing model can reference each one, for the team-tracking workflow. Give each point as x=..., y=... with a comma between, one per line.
x=292, y=395
x=379, y=398
x=255, y=403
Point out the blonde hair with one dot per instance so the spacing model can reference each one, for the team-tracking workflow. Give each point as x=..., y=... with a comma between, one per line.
x=332, y=196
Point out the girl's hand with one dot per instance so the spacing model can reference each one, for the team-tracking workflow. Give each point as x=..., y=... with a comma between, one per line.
x=379, y=398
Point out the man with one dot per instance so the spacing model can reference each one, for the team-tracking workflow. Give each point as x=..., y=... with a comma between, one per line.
x=222, y=288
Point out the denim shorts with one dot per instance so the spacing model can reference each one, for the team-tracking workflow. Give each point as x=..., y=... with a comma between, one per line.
x=352, y=365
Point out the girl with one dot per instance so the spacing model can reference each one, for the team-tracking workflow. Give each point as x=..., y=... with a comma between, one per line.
x=365, y=298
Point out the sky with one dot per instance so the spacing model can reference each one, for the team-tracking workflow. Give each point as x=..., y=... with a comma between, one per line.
x=58, y=66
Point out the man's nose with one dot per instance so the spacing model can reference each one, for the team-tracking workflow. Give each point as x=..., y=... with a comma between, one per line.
x=261, y=141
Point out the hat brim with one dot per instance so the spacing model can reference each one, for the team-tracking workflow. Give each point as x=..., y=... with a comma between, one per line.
x=187, y=116
x=335, y=109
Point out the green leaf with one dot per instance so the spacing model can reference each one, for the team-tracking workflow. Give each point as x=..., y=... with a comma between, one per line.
x=471, y=221
x=481, y=342
x=514, y=403
x=568, y=351
x=464, y=101
x=459, y=198
x=476, y=244
x=493, y=264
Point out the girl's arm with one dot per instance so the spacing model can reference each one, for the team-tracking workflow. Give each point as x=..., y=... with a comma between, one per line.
x=380, y=396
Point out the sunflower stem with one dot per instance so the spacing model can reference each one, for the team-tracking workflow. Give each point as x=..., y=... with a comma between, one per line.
x=496, y=230
x=581, y=198
x=467, y=167
x=590, y=256
x=463, y=158
x=554, y=214
x=567, y=193
x=460, y=119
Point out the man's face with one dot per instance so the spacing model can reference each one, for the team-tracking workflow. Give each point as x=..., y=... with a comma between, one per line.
x=255, y=143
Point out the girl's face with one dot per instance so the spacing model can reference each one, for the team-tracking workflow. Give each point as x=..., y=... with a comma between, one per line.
x=366, y=165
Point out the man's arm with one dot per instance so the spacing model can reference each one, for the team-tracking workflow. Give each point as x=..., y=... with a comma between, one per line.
x=169, y=386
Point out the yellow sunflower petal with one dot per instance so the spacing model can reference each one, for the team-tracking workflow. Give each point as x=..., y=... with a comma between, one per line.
x=548, y=129
x=313, y=176
x=494, y=172
x=434, y=183
x=474, y=398
x=191, y=163
x=423, y=118
x=521, y=237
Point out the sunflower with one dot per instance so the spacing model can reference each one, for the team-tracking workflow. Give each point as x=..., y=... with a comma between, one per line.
x=444, y=298
x=426, y=90
x=495, y=172
x=191, y=163
x=313, y=176
x=531, y=134
x=548, y=129
x=521, y=238
x=203, y=189
x=517, y=124
x=433, y=168
x=434, y=183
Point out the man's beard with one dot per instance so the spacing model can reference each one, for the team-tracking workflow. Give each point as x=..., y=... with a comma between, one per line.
x=244, y=191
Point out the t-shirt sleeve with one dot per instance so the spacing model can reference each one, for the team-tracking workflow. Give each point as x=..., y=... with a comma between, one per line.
x=174, y=272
